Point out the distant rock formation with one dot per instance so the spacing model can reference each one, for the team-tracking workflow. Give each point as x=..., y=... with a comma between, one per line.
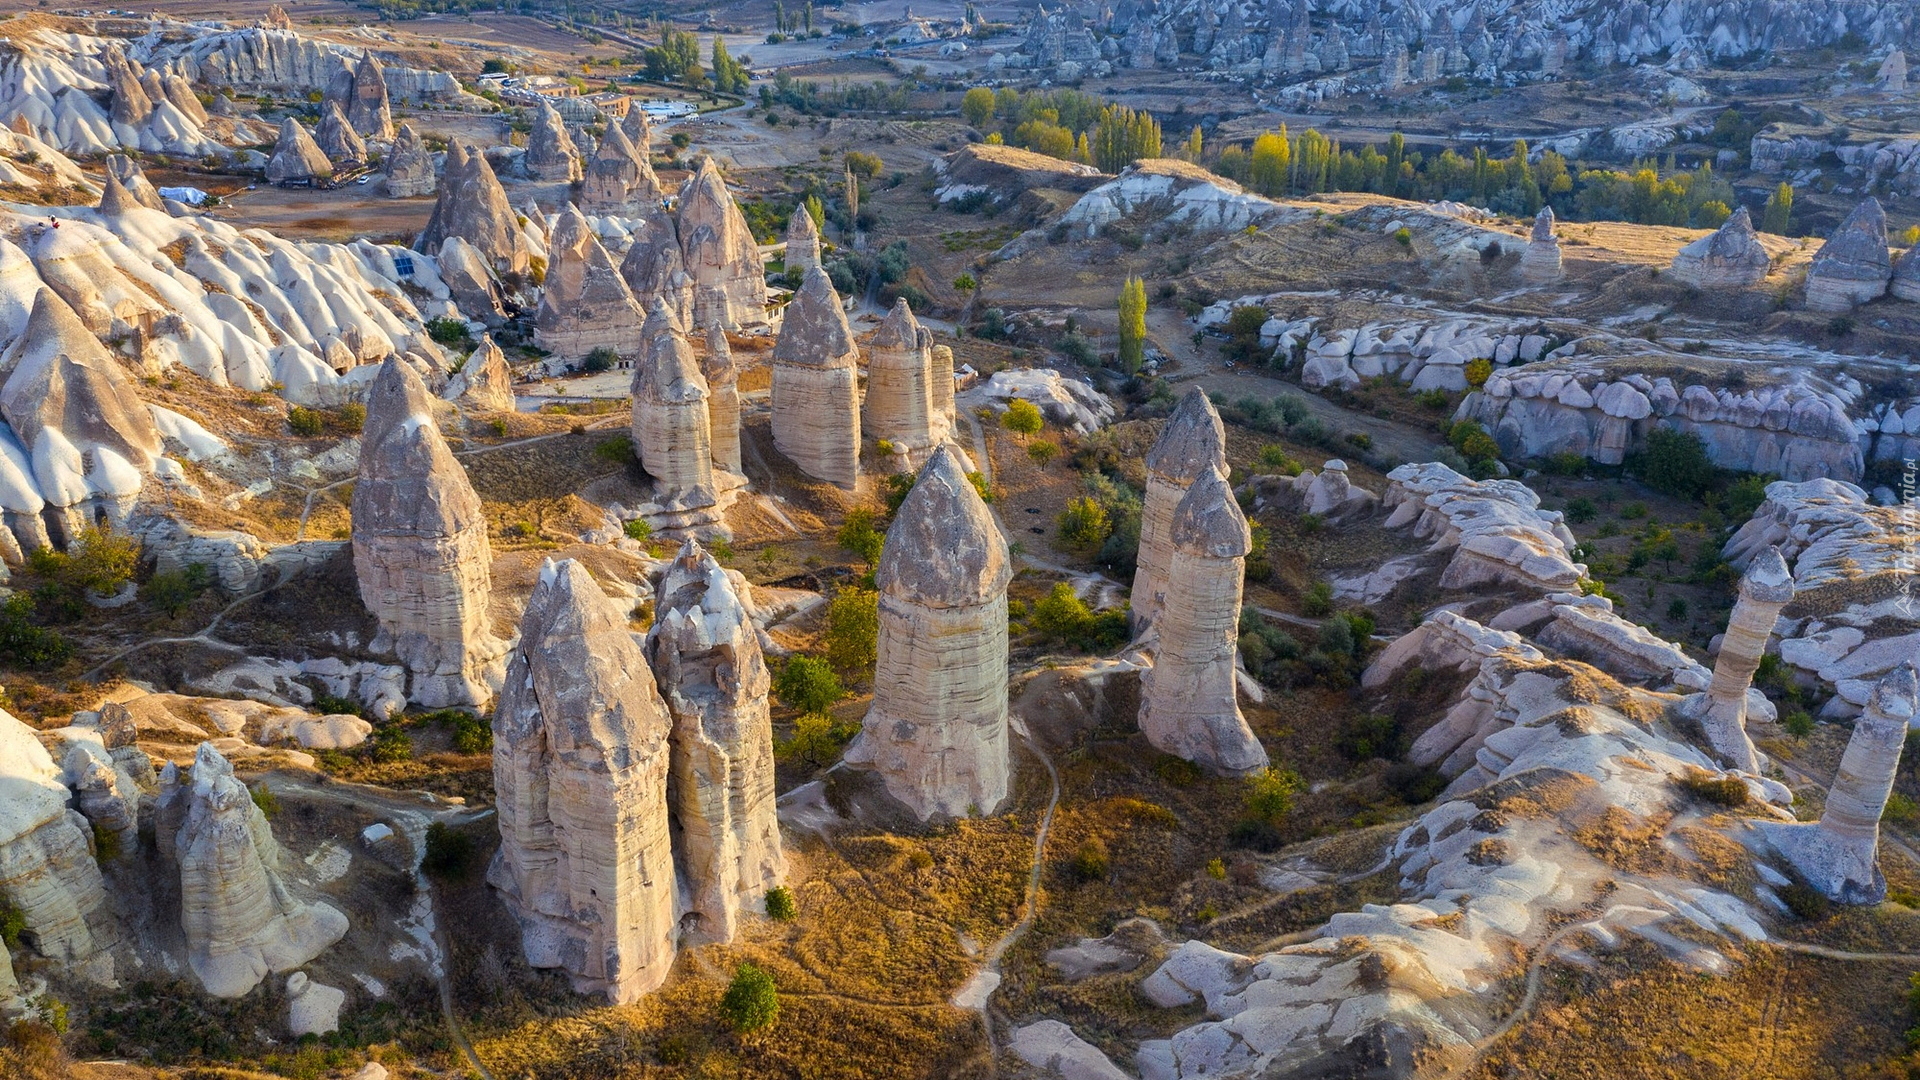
x=816, y=404
x=937, y=730
x=484, y=383
x=368, y=108
x=420, y=548
x=134, y=179
x=336, y=138
x=580, y=767
x=296, y=156
x=47, y=870
x=410, y=166
x=1731, y=258
x=240, y=921
x=899, y=404
x=1906, y=275
x=940, y=382
x=470, y=281
x=1838, y=854
x=1853, y=266
x=1540, y=263
x=1189, y=702
x=729, y=282
x=1892, y=75
x=473, y=206
x=115, y=200
x=654, y=268
x=618, y=179
x=1721, y=711
x=723, y=401
x=803, y=242
x=586, y=304
x=551, y=154
x=705, y=652
x=1192, y=443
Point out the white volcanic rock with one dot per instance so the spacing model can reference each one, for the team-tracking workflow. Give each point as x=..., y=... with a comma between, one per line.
x=1853, y=266
x=723, y=401
x=1495, y=527
x=654, y=268
x=940, y=383
x=1829, y=531
x=586, y=305
x=420, y=548
x=803, y=242
x=473, y=206
x=1540, y=263
x=937, y=729
x=618, y=179
x=1191, y=194
x=672, y=433
x=1189, y=705
x=240, y=921
x=336, y=138
x=1730, y=258
x=368, y=107
x=47, y=869
x=312, y=1009
x=1191, y=444
x=296, y=156
x=706, y=652
x=1765, y=588
x=899, y=402
x=816, y=404
x=729, y=281
x=551, y=154
x=484, y=383
x=134, y=180
x=409, y=166
x=469, y=281
x=580, y=766
x=1065, y=402
x=1052, y=1046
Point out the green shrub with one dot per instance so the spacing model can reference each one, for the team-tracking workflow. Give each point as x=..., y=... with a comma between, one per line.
x=451, y=332
x=1368, y=736
x=25, y=645
x=752, y=1001
x=172, y=590
x=637, y=529
x=266, y=800
x=1729, y=791
x=1806, y=902
x=780, y=905
x=1270, y=792
x=351, y=417
x=13, y=923
x=1478, y=371
x=853, y=631
x=304, y=422
x=599, y=360
x=1798, y=723
x=449, y=855
x=616, y=450
x=1673, y=462
x=389, y=744
x=1022, y=418
x=1083, y=523
x=807, y=684
x=1901, y=810
x=1318, y=602
x=1091, y=860
x=860, y=536
x=1063, y=617
x=472, y=734
x=1581, y=510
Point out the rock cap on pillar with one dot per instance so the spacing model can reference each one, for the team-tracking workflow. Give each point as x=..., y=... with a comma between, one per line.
x=943, y=548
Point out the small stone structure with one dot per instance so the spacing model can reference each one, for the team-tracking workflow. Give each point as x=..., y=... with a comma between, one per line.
x=816, y=404
x=1540, y=264
x=1192, y=443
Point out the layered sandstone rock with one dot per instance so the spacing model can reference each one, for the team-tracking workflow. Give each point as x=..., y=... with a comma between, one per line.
x=672, y=432
x=134, y=180
x=1192, y=444
x=586, y=304
x=618, y=179
x=296, y=156
x=470, y=283
x=420, y=548
x=1730, y=258
x=336, y=138
x=937, y=730
x=1838, y=854
x=816, y=403
x=1495, y=529
x=106, y=796
x=409, y=164
x=551, y=154
x=47, y=870
x=1541, y=262
x=1853, y=266
x=706, y=652
x=723, y=401
x=720, y=253
x=1721, y=711
x=473, y=206
x=940, y=382
x=654, y=269
x=368, y=107
x=899, y=405
x=115, y=200
x=803, y=242
x=483, y=383
x=240, y=920
x=580, y=767
x=1189, y=705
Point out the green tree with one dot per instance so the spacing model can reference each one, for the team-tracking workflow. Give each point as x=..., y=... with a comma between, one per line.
x=853, y=631
x=1022, y=418
x=977, y=106
x=816, y=210
x=1778, y=216
x=1042, y=451
x=751, y=1002
x=1123, y=136
x=676, y=57
x=1084, y=523
x=1674, y=462
x=807, y=684
x=729, y=75
x=1133, y=325
x=859, y=536
x=1270, y=162
x=1270, y=794
x=172, y=590
x=780, y=905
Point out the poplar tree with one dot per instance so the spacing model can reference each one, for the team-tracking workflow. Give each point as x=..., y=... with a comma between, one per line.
x=1133, y=325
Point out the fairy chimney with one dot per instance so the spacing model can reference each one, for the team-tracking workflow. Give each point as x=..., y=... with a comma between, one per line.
x=1722, y=709
x=899, y=403
x=720, y=253
x=1192, y=444
x=585, y=305
x=671, y=427
x=816, y=403
x=723, y=401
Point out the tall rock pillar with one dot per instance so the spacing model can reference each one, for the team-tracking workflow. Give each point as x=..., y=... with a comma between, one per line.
x=706, y=655
x=723, y=401
x=420, y=548
x=803, y=242
x=937, y=731
x=586, y=304
x=899, y=405
x=940, y=382
x=580, y=773
x=671, y=424
x=1192, y=443
x=1189, y=702
x=1541, y=262
x=816, y=396
x=720, y=252
x=1722, y=709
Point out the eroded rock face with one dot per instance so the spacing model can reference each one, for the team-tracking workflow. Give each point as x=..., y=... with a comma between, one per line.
x=296, y=156
x=484, y=383
x=1541, y=262
x=336, y=138
x=47, y=870
x=586, y=304
x=580, y=766
x=1731, y=258
x=1189, y=705
x=671, y=427
x=473, y=206
x=803, y=242
x=816, y=404
x=240, y=921
x=899, y=406
x=940, y=382
x=551, y=154
x=368, y=108
x=720, y=254
x=654, y=269
x=937, y=731
x=1853, y=266
x=618, y=179
x=1496, y=527
x=470, y=281
x=1906, y=275
x=420, y=548
x=706, y=652
x=410, y=166
x=723, y=401
x=134, y=180
x=1192, y=444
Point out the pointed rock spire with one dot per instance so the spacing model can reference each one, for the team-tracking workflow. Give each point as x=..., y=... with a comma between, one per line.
x=483, y=383
x=899, y=404
x=580, y=765
x=586, y=304
x=368, y=108
x=803, y=241
x=1853, y=266
x=296, y=156
x=723, y=400
x=720, y=252
x=115, y=200
x=65, y=396
x=671, y=428
x=653, y=267
x=410, y=166
x=1541, y=262
x=618, y=179
x=1766, y=587
x=131, y=177
x=816, y=407
x=1731, y=257
x=551, y=154
x=937, y=730
x=336, y=138
x=1192, y=444
x=473, y=206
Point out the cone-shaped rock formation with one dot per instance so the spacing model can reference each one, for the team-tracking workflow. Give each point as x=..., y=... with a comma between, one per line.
x=551, y=154
x=654, y=269
x=473, y=206
x=816, y=404
x=586, y=304
x=1730, y=258
x=618, y=179
x=1853, y=266
x=483, y=383
x=1192, y=444
x=803, y=242
x=410, y=166
x=336, y=138
x=671, y=428
x=899, y=405
x=729, y=283
x=1541, y=262
x=296, y=156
